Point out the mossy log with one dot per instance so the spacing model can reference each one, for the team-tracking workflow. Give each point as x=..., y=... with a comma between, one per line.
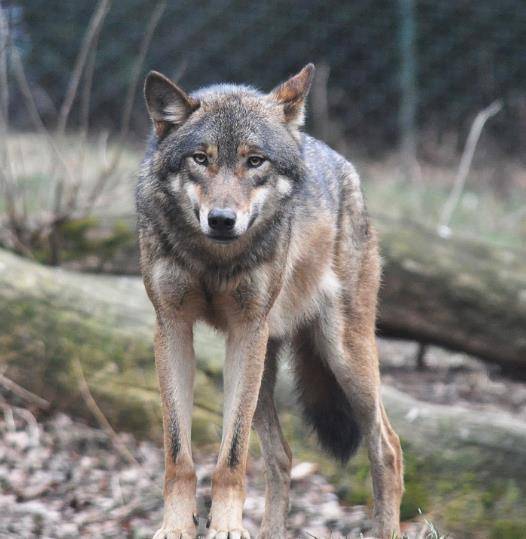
x=459, y=463
x=459, y=294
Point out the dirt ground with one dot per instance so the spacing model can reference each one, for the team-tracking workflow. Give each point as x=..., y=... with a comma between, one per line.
x=451, y=378
x=62, y=479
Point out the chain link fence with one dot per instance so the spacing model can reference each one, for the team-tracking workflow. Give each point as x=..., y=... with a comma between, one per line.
x=397, y=70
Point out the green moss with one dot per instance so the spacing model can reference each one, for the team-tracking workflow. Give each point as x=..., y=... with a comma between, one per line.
x=415, y=499
x=121, y=237
x=508, y=529
x=87, y=237
x=206, y=427
x=354, y=494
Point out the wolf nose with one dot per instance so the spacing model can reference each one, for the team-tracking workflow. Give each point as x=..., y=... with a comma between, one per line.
x=221, y=219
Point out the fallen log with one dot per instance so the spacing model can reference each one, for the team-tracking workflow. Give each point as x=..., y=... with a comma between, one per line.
x=53, y=317
x=460, y=294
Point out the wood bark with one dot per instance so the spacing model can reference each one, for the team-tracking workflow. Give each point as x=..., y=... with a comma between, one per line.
x=460, y=294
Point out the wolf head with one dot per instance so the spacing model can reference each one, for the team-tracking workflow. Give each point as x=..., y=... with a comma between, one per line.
x=228, y=155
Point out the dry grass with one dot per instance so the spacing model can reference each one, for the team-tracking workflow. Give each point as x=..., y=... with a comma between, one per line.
x=31, y=165
x=485, y=211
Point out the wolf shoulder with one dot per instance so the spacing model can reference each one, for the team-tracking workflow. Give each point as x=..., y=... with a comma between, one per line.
x=331, y=177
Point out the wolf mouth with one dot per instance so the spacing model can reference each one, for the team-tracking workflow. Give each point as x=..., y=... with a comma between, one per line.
x=222, y=239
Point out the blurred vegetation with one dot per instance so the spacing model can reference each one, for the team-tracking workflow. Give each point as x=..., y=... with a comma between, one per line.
x=480, y=215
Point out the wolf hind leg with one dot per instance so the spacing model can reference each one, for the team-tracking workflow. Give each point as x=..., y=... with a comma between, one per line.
x=385, y=456
x=353, y=359
x=276, y=453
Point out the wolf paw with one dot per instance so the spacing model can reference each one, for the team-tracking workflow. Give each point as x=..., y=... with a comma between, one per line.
x=174, y=533
x=276, y=533
x=239, y=533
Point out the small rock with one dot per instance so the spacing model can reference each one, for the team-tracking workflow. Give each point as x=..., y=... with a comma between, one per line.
x=303, y=470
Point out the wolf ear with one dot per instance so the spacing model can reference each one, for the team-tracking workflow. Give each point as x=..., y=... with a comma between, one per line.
x=167, y=104
x=292, y=93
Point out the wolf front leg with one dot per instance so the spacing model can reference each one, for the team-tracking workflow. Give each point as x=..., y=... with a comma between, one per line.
x=243, y=370
x=175, y=362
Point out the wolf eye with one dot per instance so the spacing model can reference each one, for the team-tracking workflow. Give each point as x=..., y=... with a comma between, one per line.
x=200, y=158
x=255, y=161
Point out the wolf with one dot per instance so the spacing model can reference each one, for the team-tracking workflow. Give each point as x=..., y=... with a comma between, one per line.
x=252, y=226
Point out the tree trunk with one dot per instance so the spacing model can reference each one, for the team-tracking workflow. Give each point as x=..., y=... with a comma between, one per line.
x=51, y=316
x=459, y=294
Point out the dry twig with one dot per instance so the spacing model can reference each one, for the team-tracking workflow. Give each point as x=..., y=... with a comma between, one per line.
x=21, y=78
x=107, y=172
x=465, y=164
x=90, y=36
x=88, y=42
x=26, y=415
x=22, y=392
x=100, y=417
x=85, y=101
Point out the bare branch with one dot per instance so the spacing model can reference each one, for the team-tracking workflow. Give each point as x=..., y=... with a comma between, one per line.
x=84, y=125
x=106, y=173
x=22, y=392
x=89, y=39
x=4, y=87
x=465, y=164
x=137, y=70
x=100, y=417
x=91, y=34
x=20, y=75
x=56, y=218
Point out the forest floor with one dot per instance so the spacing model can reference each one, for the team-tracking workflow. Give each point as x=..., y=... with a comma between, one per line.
x=451, y=378
x=60, y=478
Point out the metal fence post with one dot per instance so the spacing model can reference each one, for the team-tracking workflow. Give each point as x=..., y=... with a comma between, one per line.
x=408, y=87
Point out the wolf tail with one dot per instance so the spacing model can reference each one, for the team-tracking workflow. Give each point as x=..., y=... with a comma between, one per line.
x=325, y=406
